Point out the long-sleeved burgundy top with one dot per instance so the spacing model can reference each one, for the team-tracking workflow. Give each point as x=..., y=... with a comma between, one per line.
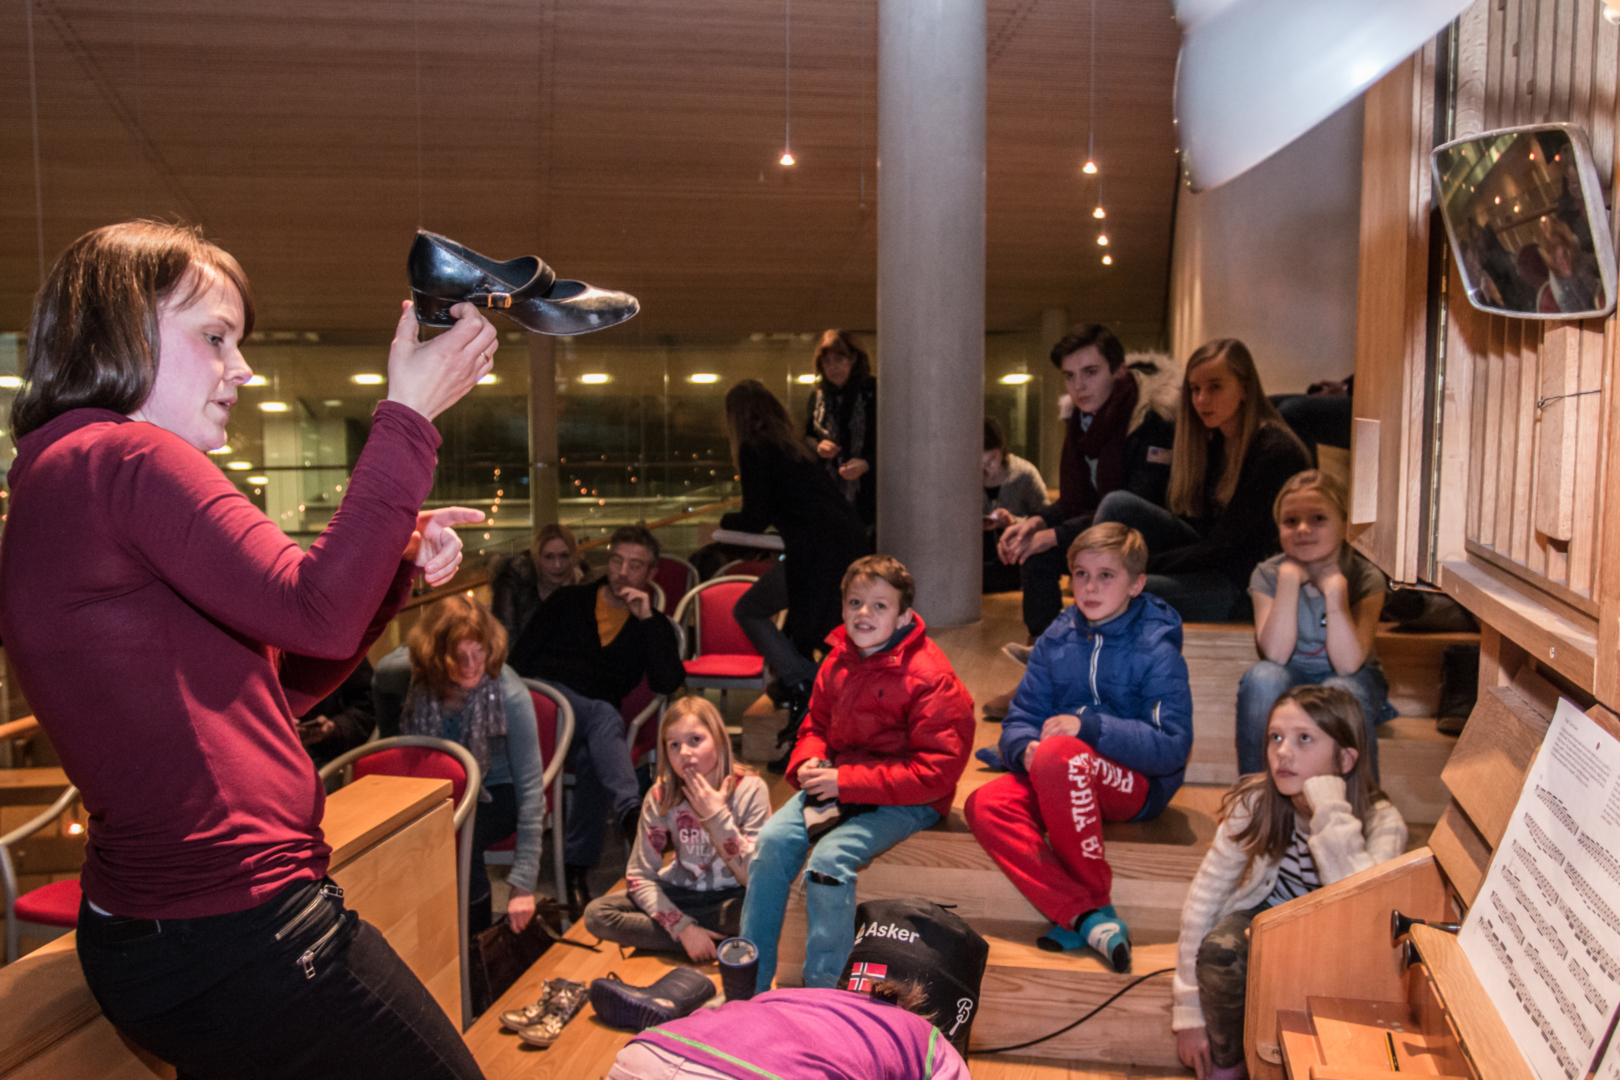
x=166, y=633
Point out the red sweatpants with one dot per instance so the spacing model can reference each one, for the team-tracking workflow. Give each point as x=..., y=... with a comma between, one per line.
x=1069, y=792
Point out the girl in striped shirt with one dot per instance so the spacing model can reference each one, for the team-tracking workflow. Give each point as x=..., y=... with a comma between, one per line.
x=1313, y=817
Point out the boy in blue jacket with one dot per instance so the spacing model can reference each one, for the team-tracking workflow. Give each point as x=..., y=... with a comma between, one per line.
x=1099, y=730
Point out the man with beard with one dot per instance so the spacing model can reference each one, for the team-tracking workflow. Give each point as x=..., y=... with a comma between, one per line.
x=594, y=642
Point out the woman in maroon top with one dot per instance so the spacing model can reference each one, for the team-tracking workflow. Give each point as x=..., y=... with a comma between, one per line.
x=166, y=633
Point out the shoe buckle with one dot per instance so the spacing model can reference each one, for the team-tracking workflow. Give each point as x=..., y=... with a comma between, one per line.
x=500, y=300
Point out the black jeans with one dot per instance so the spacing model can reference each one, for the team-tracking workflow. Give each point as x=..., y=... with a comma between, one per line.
x=493, y=822
x=221, y=997
x=755, y=612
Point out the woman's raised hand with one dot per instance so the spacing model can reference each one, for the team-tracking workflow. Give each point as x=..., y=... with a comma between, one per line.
x=431, y=376
x=438, y=548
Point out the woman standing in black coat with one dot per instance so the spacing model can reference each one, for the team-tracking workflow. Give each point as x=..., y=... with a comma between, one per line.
x=786, y=488
x=842, y=420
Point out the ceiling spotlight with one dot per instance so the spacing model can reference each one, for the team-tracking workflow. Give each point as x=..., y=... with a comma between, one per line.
x=239, y=466
x=332, y=402
x=220, y=450
x=10, y=382
x=368, y=378
x=1102, y=239
x=260, y=480
x=257, y=380
x=489, y=380
x=1017, y=378
x=594, y=378
x=703, y=377
x=787, y=157
x=808, y=380
x=1089, y=168
x=274, y=406
x=1099, y=213
x=1108, y=260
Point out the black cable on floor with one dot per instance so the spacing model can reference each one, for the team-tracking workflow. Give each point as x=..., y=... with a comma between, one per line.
x=1121, y=992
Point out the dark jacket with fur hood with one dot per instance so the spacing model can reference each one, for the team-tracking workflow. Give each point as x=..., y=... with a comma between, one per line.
x=1148, y=441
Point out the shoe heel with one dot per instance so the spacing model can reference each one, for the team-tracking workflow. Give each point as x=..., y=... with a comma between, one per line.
x=433, y=310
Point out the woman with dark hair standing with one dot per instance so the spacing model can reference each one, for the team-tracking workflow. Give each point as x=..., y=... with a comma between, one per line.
x=166, y=633
x=785, y=488
x=1231, y=457
x=842, y=421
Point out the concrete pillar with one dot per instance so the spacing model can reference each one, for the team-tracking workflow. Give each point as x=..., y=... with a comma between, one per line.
x=1054, y=324
x=543, y=474
x=930, y=325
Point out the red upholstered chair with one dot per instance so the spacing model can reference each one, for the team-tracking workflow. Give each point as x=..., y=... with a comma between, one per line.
x=48, y=911
x=722, y=656
x=438, y=759
x=554, y=718
x=746, y=567
x=639, y=707
x=676, y=577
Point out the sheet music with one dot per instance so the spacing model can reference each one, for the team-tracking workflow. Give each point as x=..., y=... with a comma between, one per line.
x=1544, y=933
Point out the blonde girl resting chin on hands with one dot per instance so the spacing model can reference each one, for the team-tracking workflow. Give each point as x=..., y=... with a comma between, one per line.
x=1311, y=818
x=710, y=809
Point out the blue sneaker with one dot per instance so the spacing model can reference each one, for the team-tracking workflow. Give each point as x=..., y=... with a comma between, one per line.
x=1106, y=932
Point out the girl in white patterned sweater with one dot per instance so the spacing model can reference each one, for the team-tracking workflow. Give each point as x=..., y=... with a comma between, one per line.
x=1312, y=818
x=711, y=810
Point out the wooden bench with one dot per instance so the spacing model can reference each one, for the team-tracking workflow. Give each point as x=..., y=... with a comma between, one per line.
x=394, y=854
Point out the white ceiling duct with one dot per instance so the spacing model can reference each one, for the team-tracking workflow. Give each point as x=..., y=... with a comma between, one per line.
x=1254, y=75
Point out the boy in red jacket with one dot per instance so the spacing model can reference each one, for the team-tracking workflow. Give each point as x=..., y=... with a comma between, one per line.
x=887, y=737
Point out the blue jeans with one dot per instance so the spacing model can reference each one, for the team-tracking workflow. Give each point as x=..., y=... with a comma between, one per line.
x=1197, y=595
x=830, y=889
x=1261, y=685
x=604, y=777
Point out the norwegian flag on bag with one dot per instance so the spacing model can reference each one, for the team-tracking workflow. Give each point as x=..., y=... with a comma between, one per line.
x=862, y=977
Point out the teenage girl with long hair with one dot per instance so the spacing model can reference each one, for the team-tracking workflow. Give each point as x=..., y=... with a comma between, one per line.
x=784, y=487
x=1313, y=817
x=710, y=809
x=1232, y=455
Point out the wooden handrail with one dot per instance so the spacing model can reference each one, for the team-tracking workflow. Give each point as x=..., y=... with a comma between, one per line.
x=26, y=726
x=481, y=577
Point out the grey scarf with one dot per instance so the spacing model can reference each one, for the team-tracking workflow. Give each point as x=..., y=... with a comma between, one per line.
x=483, y=717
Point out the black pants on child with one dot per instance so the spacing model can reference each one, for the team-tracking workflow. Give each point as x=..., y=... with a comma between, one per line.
x=615, y=917
x=219, y=996
x=1223, y=982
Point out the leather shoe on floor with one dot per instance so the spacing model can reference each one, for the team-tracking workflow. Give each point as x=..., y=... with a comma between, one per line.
x=997, y=708
x=444, y=273
x=637, y=1008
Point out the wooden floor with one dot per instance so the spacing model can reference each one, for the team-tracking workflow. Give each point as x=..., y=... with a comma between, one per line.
x=587, y=1047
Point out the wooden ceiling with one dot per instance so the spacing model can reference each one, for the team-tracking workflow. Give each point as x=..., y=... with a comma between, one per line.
x=631, y=143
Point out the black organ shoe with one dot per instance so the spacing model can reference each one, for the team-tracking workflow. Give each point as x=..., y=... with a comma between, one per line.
x=637, y=1008
x=444, y=273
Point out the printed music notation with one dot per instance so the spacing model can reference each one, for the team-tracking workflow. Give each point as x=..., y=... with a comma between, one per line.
x=1541, y=935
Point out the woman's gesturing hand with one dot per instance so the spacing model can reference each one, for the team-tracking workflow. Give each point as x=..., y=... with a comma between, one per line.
x=435, y=547
x=431, y=376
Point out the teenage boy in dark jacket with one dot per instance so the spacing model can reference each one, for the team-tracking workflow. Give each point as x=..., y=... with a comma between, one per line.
x=1100, y=730
x=1117, y=437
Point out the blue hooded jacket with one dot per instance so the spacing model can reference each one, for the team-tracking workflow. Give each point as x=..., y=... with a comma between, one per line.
x=1126, y=681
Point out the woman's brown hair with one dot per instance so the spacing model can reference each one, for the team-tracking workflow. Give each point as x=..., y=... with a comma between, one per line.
x=433, y=642
x=1271, y=822
x=93, y=339
x=670, y=786
x=843, y=343
x=1189, y=459
x=755, y=418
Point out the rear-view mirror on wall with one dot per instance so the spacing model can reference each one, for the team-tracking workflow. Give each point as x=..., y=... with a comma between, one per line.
x=1524, y=211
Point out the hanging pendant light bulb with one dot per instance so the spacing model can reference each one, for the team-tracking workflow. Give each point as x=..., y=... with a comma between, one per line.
x=1102, y=239
x=1099, y=213
x=1108, y=260
x=1090, y=167
x=787, y=84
